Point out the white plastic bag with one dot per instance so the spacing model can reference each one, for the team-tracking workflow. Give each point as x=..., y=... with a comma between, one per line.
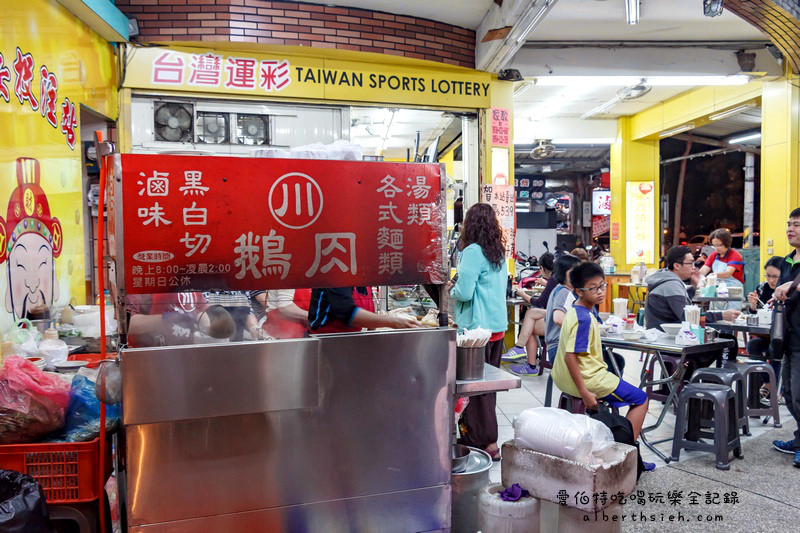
x=722, y=289
x=563, y=434
x=685, y=337
x=24, y=340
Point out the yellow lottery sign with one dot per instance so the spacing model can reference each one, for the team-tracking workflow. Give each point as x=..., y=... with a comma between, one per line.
x=251, y=74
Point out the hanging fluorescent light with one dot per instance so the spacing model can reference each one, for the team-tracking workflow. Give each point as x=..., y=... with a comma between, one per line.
x=730, y=112
x=515, y=39
x=584, y=140
x=675, y=131
x=535, y=20
x=602, y=108
x=662, y=81
x=521, y=88
x=735, y=79
x=632, y=11
x=745, y=138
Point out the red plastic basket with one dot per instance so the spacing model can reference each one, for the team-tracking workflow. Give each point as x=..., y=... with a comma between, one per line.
x=67, y=471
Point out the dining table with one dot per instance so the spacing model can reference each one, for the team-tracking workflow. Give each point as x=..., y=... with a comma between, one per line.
x=654, y=349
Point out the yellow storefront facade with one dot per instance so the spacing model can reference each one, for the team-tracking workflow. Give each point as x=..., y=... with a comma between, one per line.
x=51, y=66
x=635, y=159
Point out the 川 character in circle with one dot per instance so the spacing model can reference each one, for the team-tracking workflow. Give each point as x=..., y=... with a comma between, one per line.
x=30, y=240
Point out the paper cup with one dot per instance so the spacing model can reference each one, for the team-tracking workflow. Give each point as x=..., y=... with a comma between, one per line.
x=764, y=317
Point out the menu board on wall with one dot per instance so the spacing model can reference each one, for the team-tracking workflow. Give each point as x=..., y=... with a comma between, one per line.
x=640, y=212
x=501, y=197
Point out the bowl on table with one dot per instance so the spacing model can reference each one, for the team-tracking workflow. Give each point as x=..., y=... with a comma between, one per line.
x=671, y=329
x=604, y=316
x=70, y=367
x=631, y=335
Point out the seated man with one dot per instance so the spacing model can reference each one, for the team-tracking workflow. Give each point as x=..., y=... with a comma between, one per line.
x=667, y=295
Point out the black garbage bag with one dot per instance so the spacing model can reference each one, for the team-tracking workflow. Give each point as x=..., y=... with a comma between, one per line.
x=23, y=508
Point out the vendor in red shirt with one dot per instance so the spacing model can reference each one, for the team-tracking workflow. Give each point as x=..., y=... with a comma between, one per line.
x=725, y=262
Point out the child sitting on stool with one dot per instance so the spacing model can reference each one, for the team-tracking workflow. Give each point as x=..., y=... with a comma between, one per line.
x=579, y=369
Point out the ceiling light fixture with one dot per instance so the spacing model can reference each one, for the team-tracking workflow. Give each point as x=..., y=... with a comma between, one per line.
x=535, y=20
x=521, y=88
x=675, y=131
x=730, y=112
x=536, y=11
x=712, y=8
x=392, y=114
x=631, y=92
x=745, y=138
x=584, y=140
x=602, y=108
x=661, y=81
x=632, y=11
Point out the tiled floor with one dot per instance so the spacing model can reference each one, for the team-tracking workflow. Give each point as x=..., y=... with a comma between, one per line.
x=532, y=394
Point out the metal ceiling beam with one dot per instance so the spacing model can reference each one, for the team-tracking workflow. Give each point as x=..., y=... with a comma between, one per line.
x=718, y=151
x=710, y=141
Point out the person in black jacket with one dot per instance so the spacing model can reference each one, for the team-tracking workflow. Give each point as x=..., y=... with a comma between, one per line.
x=790, y=270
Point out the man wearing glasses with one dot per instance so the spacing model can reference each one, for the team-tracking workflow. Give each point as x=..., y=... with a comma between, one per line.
x=667, y=293
x=787, y=292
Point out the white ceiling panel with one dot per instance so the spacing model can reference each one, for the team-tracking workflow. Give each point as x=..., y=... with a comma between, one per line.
x=662, y=20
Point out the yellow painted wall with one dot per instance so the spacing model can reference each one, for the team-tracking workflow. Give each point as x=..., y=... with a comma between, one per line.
x=635, y=154
x=691, y=107
x=85, y=69
x=780, y=163
x=631, y=161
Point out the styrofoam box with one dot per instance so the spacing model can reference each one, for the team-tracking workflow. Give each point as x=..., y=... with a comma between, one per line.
x=544, y=476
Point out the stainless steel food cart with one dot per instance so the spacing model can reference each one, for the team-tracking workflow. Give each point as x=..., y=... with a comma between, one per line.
x=340, y=432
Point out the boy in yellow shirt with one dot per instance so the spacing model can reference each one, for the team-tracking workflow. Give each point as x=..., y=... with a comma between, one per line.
x=579, y=369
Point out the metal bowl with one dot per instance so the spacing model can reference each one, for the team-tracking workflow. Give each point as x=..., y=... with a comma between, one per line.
x=460, y=457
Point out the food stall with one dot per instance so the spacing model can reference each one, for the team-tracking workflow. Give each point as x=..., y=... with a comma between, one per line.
x=334, y=432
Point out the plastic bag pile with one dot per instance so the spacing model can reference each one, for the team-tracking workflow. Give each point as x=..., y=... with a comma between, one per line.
x=563, y=434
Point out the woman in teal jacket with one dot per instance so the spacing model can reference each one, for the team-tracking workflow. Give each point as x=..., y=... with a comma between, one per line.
x=480, y=302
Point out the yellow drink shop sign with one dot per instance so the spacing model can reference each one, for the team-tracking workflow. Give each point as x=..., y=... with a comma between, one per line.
x=248, y=74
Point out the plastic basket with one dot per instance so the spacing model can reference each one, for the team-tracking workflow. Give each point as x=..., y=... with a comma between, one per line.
x=67, y=471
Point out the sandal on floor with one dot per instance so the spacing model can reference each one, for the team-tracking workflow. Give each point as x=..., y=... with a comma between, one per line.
x=494, y=454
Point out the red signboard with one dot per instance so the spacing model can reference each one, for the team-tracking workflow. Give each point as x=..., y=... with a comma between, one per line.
x=199, y=222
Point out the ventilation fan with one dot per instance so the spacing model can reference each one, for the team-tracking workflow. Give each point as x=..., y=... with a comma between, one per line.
x=212, y=128
x=173, y=122
x=252, y=129
x=544, y=149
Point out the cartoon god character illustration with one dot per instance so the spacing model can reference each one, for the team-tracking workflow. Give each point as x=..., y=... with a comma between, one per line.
x=30, y=240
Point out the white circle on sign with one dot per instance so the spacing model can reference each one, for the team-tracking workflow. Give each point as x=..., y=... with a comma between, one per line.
x=295, y=200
